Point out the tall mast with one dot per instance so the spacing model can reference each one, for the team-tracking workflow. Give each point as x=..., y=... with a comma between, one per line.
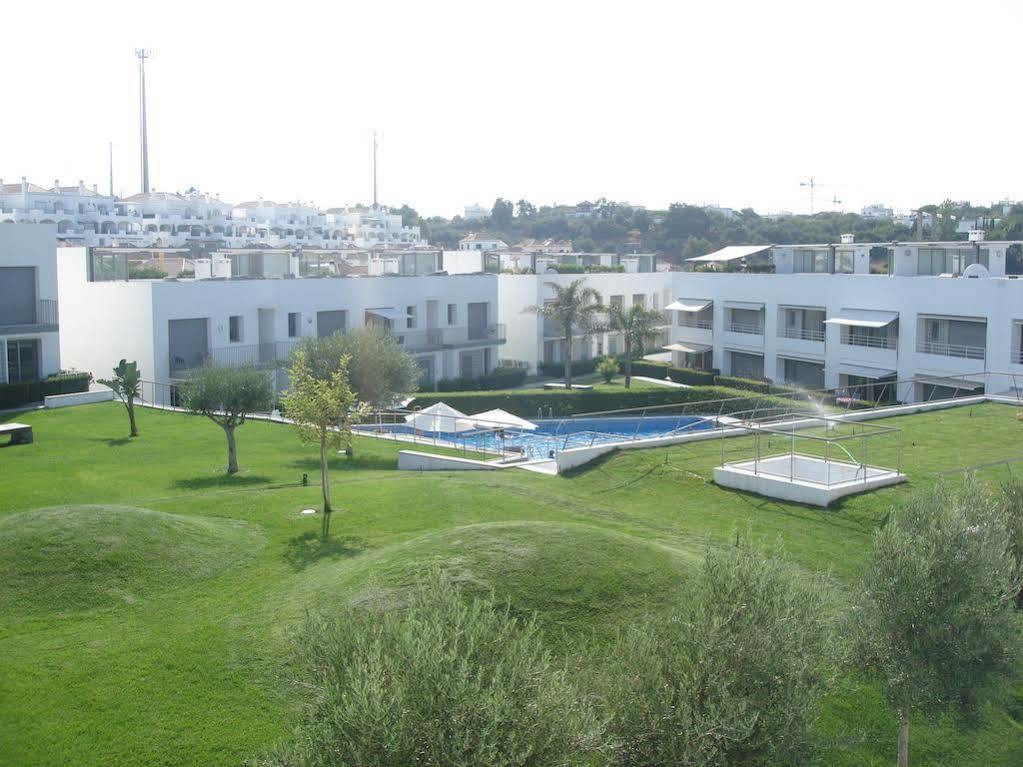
x=142, y=54
x=110, y=147
x=374, y=170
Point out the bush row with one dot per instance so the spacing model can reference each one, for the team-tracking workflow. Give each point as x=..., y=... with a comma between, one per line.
x=579, y=367
x=17, y=394
x=499, y=378
x=678, y=375
x=526, y=403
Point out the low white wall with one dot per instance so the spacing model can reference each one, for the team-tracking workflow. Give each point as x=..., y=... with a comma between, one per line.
x=411, y=460
x=78, y=398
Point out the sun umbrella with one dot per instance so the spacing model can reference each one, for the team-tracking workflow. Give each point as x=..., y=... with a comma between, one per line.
x=440, y=418
x=501, y=419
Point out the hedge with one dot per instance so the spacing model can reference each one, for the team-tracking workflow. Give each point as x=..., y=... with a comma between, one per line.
x=17, y=394
x=499, y=378
x=579, y=367
x=678, y=375
x=526, y=403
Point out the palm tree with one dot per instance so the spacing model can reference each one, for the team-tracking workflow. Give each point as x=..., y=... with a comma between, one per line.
x=575, y=308
x=637, y=324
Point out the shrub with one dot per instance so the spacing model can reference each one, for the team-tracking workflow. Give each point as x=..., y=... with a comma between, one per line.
x=527, y=402
x=734, y=676
x=443, y=681
x=17, y=394
x=678, y=375
x=608, y=368
x=579, y=367
x=498, y=378
x=145, y=273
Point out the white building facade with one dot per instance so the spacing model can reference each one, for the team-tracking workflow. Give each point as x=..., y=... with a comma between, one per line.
x=29, y=328
x=449, y=324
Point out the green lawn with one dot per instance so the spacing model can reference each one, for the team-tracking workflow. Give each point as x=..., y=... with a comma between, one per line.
x=147, y=601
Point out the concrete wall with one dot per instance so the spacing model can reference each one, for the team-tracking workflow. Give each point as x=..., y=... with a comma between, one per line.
x=411, y=460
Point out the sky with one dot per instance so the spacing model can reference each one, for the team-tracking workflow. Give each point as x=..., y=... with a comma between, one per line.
x=733, y=103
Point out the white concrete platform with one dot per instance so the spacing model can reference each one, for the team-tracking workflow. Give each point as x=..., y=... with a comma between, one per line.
x=804, y=479
x=101, y=394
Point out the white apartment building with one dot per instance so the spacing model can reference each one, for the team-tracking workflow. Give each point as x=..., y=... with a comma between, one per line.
x=481, y=241
x=448, y=323
x=533, y=340
x=941, y=309
x=475, y=212
x=83, y=216
x=29, y=337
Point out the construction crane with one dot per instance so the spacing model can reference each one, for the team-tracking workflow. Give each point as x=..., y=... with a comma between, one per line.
x=812, y=185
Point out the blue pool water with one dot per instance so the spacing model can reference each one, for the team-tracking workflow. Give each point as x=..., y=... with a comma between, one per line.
x=554, y=435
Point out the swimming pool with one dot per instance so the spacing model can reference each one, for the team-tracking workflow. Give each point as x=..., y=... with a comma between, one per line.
x=554, y=435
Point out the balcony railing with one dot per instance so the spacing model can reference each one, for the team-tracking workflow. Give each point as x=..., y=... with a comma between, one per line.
x=874, y=342
x=741, y=327
x=421, y=340
x=803, y=334
x=951, y=350
x=688, y=322
x=45, y=314
x=267, y=354
x=1017, y=357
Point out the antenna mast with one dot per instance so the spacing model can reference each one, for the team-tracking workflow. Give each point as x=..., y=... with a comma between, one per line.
x=374, y=170
x=110, y=147
x=142, y=54
x=813, y=186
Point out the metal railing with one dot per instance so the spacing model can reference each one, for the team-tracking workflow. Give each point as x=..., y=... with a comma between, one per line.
x=874, y=342
x=271, y=353
x=951, y=350
x=802, y=334
x=494, y=332
x=686, y=322
x=741, y=327
x=1017, y=357
x=45, y=313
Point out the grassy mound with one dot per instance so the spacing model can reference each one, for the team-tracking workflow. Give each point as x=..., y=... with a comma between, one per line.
x=574, y=576
x=74, y=558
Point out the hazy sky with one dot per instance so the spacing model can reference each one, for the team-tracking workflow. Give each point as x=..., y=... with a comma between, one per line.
x=731, y=103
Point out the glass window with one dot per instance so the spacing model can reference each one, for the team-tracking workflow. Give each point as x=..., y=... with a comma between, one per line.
x=235, y=328
x=23, y=360
x=410, y=320
x=294, y=324
x=452, y=314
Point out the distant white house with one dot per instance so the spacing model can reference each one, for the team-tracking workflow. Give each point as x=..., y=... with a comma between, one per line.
x=481, y=241
x=877, y=210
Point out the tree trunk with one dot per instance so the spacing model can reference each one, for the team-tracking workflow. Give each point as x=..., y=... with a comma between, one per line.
x=131, y=417
x=325, y=484
x=567, y=354
x=628, y=363
x=232, y=451
x=903, y=738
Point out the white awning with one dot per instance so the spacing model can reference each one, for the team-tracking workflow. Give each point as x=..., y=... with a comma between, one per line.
x=687, y=348
x=440, y=417
x=730, y=253
x=948, y=383
x=388, y=313
x=753, y=306
x=688, y=305
x=501, y=419
x=862, y=371
x=863, y=318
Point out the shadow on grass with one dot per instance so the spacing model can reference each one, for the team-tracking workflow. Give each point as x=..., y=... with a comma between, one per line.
x=114, y=441
x=221, y=480
x=340, y=463
x=309, y=548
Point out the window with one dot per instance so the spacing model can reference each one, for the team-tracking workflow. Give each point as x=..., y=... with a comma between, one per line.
x=638, y=299
x=617, y=301
x=234, y=331
x=410, y=321
x=22, y=361
x=294, y=324
x=452, y=314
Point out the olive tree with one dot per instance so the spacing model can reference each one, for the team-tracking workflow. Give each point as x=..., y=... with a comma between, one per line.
x=127, y=385
x=444, y=680
x=1010, y=505
x=380, y=371
x=227, y=395
x=732, y=674
x=937, y=624
x=323, y=410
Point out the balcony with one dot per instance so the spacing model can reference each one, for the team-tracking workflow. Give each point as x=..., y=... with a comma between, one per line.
x=475, y=335
x=803, y=334
x=268, y=354
x=1016, y=357
x=687, y=320
x=872, y=342
x=746, y=329
x=951, y=350
x=43, y=319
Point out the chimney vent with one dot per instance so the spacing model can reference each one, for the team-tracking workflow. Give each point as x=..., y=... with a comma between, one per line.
x=848, y=239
